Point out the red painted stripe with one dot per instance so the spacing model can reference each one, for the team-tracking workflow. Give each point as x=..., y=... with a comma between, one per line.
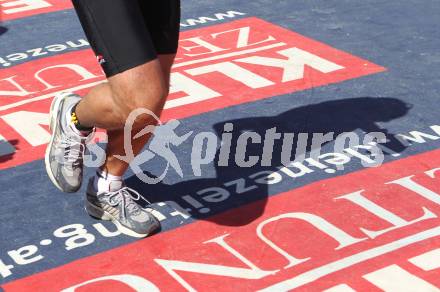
x=14, y=9
x=233, y=92
x=295, y=237
x=220, y=45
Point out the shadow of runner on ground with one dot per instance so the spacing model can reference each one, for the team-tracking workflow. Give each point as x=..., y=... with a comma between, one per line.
x=215, y=195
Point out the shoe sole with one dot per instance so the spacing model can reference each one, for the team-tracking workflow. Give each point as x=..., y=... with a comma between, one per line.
x=99, y=213
x=54, y=112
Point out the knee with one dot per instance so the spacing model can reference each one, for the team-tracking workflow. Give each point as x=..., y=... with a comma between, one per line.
x=151, y=99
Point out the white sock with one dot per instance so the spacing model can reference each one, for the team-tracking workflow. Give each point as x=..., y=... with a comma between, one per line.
x=105, y=182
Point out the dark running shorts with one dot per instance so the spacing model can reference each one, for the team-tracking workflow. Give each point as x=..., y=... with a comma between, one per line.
x=128, y=33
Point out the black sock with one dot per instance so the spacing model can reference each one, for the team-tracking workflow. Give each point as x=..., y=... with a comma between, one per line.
x=76, y=122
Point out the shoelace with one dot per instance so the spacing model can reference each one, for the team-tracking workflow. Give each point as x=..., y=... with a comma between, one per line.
x=125, y=196
x=73, y=151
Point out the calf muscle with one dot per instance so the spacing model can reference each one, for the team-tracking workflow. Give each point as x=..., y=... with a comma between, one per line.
x=115, y=146
x=108, y=105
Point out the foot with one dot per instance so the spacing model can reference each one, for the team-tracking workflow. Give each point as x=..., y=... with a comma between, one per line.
x=64, y=154
x=120, y=208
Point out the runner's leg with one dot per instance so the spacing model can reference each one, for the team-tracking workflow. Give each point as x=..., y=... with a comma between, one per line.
x=115, y=144
x=137, y=78
x=108, y=105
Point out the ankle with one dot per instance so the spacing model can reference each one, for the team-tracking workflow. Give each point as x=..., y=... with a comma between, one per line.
x=75, y=123
x=105, y=182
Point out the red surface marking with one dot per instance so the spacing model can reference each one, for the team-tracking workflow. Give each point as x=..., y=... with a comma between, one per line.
x=294, y=236
x=8, y=8
x=232, y=92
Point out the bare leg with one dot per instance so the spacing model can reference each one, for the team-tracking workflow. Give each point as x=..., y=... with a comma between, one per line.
x=99, y=101
x=108, y=105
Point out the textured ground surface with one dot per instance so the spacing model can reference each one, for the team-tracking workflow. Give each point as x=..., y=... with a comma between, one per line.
x=370, y=66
